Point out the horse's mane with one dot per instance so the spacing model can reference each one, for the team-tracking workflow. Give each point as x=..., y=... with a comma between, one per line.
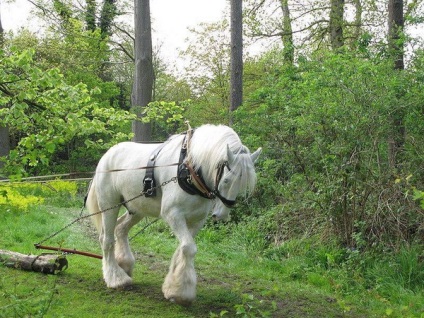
x=208, y=148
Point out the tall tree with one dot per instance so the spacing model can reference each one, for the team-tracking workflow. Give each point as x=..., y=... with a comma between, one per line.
x=143, y=73
x=287, y=34
x=90, y=15
x=395, y=29
x=107, y=16
x=336, y=23
x=236, y=55
x=4, y=130
x=358, y=19
x=1, y=33
x=208, y=71
x=396, y=24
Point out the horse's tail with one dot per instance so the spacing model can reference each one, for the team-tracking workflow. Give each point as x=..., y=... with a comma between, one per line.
x=92, y=204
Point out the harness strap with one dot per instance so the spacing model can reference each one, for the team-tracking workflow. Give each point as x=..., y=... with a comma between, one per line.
x=199, y=183
x=220, y=172
x=187, y=176
x=227, y=203
x=149, y=178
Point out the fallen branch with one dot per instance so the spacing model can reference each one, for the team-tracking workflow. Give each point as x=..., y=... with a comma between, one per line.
x=44, y=263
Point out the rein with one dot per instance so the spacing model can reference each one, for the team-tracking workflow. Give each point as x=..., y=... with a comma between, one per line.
x=71, y=174
x=81, y=217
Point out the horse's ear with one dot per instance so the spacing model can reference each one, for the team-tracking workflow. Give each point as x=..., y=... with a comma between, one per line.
x=230, y=155
x=254, y=156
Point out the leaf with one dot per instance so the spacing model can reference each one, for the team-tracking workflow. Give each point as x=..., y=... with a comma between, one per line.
x=389, y=311
x=3, y=193
x=50, y=147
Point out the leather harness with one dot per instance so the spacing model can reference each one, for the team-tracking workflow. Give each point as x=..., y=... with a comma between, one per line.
x=149, y=179
x=190, y=180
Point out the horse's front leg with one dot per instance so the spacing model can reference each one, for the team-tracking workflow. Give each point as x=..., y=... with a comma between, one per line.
x=180, y=283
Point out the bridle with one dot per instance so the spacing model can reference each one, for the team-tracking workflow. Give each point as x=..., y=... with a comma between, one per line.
x=219, y=174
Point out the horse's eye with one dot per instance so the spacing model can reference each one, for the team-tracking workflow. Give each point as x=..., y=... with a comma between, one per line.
x=226, y=180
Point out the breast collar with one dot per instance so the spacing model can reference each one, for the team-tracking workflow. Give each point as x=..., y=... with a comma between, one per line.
x=192, y=181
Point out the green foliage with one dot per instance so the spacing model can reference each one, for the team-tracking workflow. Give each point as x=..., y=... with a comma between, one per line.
x=324, y=127
x=22, y=196
x=12, y=198
x=251, y=307
x=419, y=195
x=207, y=72
x=34, y=303
x=303, y=278
x=405, y=270
x=47, y=113
x=168, y=115
x=81, y=55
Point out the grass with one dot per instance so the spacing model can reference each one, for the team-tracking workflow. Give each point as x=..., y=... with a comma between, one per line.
x=237, y=276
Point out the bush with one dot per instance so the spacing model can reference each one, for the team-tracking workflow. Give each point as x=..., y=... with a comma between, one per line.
x=324, y=126
x=12, y=197
x=21, y=196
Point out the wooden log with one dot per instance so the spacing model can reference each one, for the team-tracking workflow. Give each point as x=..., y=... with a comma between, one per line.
x=44, y=263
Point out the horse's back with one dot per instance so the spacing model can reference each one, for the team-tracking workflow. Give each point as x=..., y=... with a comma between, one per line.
x=118, y=173
x=121, y=171
x=126, y=155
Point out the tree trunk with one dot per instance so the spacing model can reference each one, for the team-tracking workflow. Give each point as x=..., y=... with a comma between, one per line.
x=358, y=22
x=396, y=24
x=90, y=15
x=336, y=24
x=4, y=144
x=287, y=36
x=144, y=76
x=4, y=130
x=107, y=16
x=45, y=263
x=395, y=27
x=1, y=33
x=236, y=97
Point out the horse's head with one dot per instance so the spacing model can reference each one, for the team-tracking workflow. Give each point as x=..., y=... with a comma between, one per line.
x=235, y=176
x=220, y=212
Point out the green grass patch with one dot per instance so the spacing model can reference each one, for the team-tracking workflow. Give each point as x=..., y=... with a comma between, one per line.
x=239, y=273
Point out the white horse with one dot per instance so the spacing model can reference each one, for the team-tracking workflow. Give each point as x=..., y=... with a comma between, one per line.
x=227, y=170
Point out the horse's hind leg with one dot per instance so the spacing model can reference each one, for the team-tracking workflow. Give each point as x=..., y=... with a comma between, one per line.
x=113, y=274
x=123, y=254
x=180, y=282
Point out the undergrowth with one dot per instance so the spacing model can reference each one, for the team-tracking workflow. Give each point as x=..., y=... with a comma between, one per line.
x=389, y=281
x=20, y=196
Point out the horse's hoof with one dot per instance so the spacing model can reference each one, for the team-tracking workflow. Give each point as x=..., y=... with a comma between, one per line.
x=181, y=302
x=120, y=284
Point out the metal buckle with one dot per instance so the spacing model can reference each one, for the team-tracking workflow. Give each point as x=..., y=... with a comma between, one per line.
x=149, y=190
x=148, y=182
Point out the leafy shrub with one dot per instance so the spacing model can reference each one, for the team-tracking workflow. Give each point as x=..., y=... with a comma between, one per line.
x=21, y=196
x=405, y=270
x=12, y=198
x=324, y=126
